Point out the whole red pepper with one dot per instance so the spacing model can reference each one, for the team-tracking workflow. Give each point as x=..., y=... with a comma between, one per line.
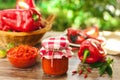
x=91, y=51
x=23, y=20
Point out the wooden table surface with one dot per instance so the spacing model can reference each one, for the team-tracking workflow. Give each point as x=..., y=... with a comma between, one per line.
x=8, y=72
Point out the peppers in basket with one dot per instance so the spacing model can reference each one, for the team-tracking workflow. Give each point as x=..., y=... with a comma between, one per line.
x=91, y=51
x=23, y=20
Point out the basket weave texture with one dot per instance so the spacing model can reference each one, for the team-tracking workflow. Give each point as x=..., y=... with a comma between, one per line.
x=28, y=38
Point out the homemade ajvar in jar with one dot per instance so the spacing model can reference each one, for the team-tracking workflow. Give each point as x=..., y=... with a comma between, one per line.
x=55, y=53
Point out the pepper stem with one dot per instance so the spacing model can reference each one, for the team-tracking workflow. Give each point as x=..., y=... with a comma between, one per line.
x=86, y=54
x=35, y=17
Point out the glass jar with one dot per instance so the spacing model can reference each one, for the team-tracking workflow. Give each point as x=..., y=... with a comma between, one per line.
x=56, y=66
x=55, y=53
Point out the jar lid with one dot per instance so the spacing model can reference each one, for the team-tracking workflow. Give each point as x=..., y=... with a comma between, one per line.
x=55, y=43
x=55, y=48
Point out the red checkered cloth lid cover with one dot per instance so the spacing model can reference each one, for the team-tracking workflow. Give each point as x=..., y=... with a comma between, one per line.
x=55, y=48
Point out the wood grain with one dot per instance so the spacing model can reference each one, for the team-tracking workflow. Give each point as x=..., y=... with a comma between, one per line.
x=8, y=72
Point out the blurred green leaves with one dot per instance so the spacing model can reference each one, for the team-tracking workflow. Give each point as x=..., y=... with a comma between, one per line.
x=82, y=13
x=6, y=4
x=77, y=13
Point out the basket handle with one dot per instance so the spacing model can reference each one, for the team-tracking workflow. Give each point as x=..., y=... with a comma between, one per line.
x=50, y=19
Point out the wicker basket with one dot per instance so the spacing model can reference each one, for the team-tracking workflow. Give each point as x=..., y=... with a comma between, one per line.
x=29, y=38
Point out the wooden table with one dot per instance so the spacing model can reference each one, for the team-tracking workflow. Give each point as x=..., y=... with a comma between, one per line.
x=8, y=72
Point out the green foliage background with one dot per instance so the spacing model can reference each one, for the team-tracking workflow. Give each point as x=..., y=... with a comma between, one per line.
x=7, y=4
x=78, y=13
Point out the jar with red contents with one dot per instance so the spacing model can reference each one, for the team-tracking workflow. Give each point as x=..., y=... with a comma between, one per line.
x=55, y=53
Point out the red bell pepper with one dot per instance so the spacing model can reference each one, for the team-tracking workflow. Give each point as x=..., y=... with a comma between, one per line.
x=23, y=20
x=78, y=36
x=91, y=51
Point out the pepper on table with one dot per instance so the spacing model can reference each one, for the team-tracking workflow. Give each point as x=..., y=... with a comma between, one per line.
x=91, y=51
x=78, y=36
x=92, y=55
